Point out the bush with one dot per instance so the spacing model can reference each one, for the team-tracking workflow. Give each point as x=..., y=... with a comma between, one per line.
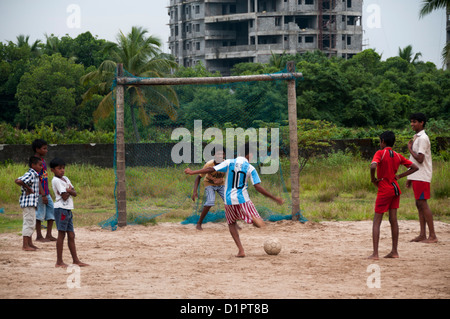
x=11, y=135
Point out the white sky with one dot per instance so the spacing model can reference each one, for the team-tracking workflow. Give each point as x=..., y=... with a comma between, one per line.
x=387, y=24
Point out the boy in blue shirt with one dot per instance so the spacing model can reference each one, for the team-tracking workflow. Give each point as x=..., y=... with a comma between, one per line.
x=238, y=205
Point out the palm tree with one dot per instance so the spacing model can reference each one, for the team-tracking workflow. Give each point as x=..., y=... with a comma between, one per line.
x=22, y=41
x=141, y=56
x=429, y=6
x=407, y=54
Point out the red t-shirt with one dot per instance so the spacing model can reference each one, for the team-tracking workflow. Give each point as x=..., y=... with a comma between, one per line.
x=388, y=163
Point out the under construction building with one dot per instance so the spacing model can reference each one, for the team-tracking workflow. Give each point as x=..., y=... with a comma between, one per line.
x=221, y=33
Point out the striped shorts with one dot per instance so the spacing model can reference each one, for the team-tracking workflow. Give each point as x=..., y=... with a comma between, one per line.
x=246, y=212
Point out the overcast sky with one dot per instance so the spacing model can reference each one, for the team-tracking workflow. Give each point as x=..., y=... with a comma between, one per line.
x=387, y=24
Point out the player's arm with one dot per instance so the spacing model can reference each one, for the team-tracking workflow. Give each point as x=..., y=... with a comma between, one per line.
x=28, y=189
x=373, y=169
x=199, y=171
x=263, y=191
x=412, y=169
x=194, y=193
x=419, y=157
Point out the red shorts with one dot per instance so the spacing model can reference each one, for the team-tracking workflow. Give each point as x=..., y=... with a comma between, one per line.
x=386, y=202
x=246, y=212
x=421, y=189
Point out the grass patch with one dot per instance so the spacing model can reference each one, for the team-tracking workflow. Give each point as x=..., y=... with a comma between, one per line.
x=334, y=188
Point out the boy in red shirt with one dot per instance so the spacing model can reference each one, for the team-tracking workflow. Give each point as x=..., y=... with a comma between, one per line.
x=386, y=163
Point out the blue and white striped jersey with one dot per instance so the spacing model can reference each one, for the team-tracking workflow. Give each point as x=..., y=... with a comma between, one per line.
x=238, y=171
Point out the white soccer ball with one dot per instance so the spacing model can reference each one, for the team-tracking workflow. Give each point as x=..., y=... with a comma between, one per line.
x=272, y=246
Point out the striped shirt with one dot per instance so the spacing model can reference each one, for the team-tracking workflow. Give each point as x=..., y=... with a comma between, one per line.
x=238, y=171
x=43, y=176
x=30, y=178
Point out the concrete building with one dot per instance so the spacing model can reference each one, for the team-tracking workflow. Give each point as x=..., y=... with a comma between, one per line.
x=221, y=33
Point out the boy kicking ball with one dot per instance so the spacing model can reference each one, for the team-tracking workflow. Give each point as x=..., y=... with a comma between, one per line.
x=386, y=163
x=238, y=205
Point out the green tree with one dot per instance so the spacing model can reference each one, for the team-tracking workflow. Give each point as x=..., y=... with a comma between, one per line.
x=429, y=6
x=50, y=93
x=407, y=54
x=141, y=56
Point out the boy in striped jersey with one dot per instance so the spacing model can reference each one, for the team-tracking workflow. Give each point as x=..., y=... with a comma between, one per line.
x=238, y=205
x=386, y=163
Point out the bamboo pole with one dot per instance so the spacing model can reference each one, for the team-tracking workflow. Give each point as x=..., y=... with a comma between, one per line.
x=293, y=142
x=120, y=152
x=206, y=80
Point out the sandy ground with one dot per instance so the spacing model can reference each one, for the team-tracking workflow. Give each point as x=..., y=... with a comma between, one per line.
x=318, y=260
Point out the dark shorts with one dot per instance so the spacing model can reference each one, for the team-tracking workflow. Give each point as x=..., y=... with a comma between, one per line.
x=64, y=219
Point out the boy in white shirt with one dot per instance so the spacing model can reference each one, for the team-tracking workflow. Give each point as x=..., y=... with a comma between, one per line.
x=64, y=193
x=420, y=150
x=238, y=205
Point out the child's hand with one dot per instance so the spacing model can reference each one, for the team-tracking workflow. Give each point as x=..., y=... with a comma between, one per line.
x=408, y=183
x=28, y=190
x=188, y=171
x=375, y=181
x=279, y=200
x=194, y=196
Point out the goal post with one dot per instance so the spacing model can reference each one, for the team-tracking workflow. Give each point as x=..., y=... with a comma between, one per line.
x=122, y=81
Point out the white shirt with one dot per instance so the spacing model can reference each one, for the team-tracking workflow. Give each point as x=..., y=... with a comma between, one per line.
x=60, y=186
x=422, y=145
x=238, y=171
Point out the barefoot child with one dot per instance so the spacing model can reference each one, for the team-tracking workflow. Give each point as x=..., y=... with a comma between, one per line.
x=45, y=203
x=64, y=193
x=386, y=163
x=213, y=182
x=238, y=205
x=29, y=200
x=420, y=149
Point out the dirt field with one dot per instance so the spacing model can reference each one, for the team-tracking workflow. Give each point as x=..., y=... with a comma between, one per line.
x=318, y=260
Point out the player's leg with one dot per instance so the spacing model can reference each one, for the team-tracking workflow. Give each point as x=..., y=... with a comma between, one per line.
x=210, y=201
x=377, y=219
x=394, y=231
x=235, y=235
x=232, y=215
x=427, y=216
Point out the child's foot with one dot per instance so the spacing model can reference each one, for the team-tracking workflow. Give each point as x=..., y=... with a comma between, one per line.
x=199, y=227
x=373, y=256
x=42, y=239
x=430, y=240
x=258, y=222
x=50, y=238
x=418, y=238
x=392, y=255
x=240, y=254
x=28, y=248
x=81, y=264
x=61, y=265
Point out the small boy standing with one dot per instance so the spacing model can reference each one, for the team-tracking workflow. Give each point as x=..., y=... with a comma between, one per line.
x=386, y=163
x=45, y=203
x=64, y=193
x=29, y=183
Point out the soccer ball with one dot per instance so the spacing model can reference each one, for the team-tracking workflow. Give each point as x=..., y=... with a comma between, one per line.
x=272, y=246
